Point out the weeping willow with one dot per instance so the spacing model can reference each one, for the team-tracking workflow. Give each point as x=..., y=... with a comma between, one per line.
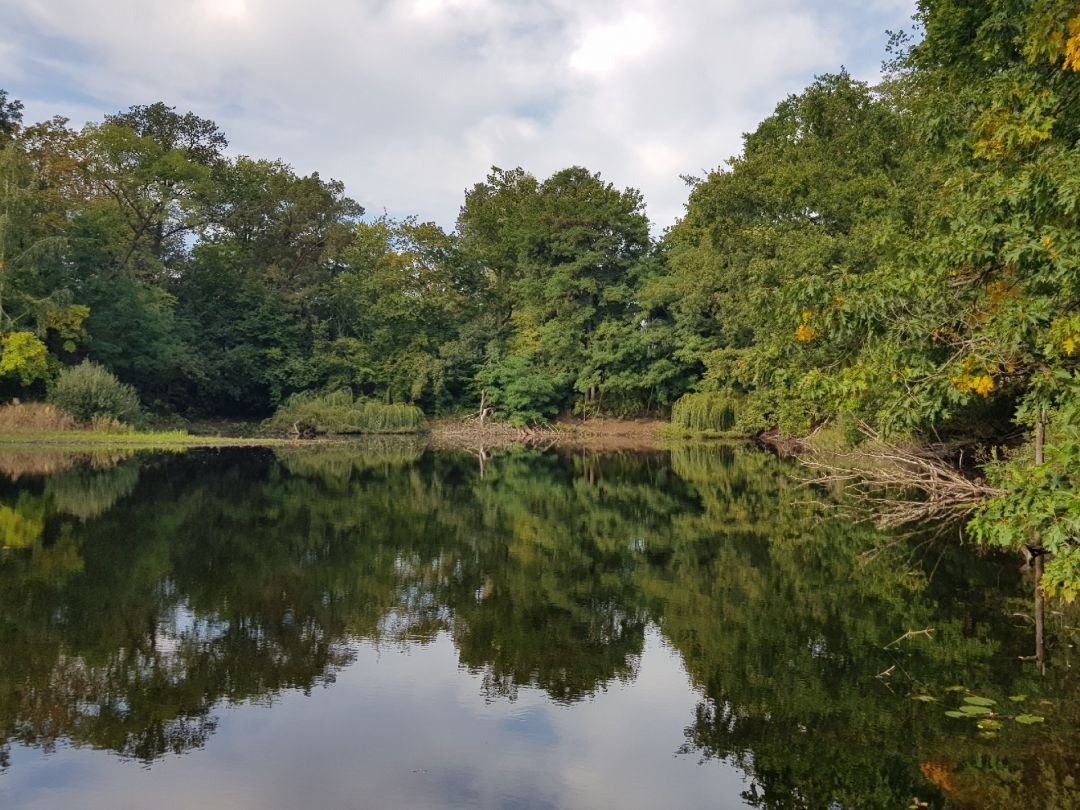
x=340, y=412
x=712, y=412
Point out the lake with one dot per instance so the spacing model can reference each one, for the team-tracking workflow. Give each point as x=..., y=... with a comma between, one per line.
x=387, y=626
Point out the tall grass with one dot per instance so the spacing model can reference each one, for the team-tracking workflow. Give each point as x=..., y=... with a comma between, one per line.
x=711, y=413
x=34, y=417
x=340, y=412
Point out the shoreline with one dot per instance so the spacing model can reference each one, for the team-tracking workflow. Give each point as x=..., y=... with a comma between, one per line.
x=442, y=434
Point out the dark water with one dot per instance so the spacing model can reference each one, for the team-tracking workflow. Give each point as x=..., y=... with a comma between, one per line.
x=393, y=628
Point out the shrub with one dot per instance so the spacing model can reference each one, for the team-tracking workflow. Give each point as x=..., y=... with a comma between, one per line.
x=339, y=412
x=88, y=390
x=520, y=392
x=712, y=412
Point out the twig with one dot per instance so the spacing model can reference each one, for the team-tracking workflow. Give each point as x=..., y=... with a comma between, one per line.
x=910, y=634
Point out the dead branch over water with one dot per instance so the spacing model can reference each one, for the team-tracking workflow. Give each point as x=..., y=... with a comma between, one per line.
x=897, y=486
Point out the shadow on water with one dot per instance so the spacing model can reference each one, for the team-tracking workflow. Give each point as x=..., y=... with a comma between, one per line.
x=140, y=594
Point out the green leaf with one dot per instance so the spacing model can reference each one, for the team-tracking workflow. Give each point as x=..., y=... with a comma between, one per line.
x=956, y=714
x=975, y=700
x=955, y=688
x=1017, y=698
x=971, y=709
x=924, y=698
x=1029, y=719
x=990, y=725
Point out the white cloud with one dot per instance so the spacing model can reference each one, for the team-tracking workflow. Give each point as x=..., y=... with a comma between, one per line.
x=609, y=45
x=235, y=12
x=410, y=101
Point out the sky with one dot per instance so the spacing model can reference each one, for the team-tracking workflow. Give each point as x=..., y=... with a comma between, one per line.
x=410, y=102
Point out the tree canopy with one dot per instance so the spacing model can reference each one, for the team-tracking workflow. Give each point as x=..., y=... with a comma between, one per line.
x=903, y=255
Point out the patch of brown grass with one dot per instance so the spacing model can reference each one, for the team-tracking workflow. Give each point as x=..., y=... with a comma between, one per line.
x=33, y=417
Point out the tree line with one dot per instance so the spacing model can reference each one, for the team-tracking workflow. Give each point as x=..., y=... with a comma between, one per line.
x=904, y=255
x=219, y=285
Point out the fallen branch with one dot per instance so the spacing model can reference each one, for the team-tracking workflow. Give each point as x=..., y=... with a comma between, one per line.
x=898, y=486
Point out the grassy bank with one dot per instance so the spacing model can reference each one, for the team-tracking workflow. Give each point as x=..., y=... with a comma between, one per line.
x=78, y=439
x=36, y=424
x=626, y=434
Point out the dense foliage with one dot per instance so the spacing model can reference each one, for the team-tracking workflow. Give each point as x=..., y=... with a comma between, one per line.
x=905, y=255
x=707, y=412
x=340, y=412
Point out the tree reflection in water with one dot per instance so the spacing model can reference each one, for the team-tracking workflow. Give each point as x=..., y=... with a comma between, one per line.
x=139, y=594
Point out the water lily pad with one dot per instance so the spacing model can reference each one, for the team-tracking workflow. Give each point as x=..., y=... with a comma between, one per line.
x=924, y=698
x=1029, y=719
x=975, y=700
x=1017, y=698
x=956, y=714
x=955, y=688
x=990, y=725
x=972, y=709
x=988, y=735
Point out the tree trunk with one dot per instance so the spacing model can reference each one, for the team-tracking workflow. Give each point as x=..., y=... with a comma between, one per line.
x=1040, y=436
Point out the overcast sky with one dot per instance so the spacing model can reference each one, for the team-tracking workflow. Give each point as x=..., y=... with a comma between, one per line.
x=409, y=102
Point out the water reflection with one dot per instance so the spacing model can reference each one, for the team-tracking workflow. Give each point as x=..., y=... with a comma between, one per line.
x=141, y=597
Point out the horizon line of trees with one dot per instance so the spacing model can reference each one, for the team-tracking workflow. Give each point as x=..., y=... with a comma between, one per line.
x=905, y=255
x=220, y=285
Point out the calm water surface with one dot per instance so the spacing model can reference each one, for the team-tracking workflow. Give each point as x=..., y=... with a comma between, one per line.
x=390, y=627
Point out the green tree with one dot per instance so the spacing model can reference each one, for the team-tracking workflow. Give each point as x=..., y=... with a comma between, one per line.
x=562, y=260
x=152, y=169
x=24, y=356
x=397, y=314
x=11, y=113
x=776, y=267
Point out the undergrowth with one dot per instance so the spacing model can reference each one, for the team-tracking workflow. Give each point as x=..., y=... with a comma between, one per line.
x=340, y=412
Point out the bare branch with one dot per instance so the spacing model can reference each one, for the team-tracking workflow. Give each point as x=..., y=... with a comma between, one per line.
x=898, y=486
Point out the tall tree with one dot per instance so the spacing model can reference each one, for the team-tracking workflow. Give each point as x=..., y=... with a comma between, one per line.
x=561, y=258
x=774, y=268
x=11, y=114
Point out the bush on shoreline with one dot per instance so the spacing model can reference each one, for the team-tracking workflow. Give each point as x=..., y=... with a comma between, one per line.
x=93, y=394
x=340, y=412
